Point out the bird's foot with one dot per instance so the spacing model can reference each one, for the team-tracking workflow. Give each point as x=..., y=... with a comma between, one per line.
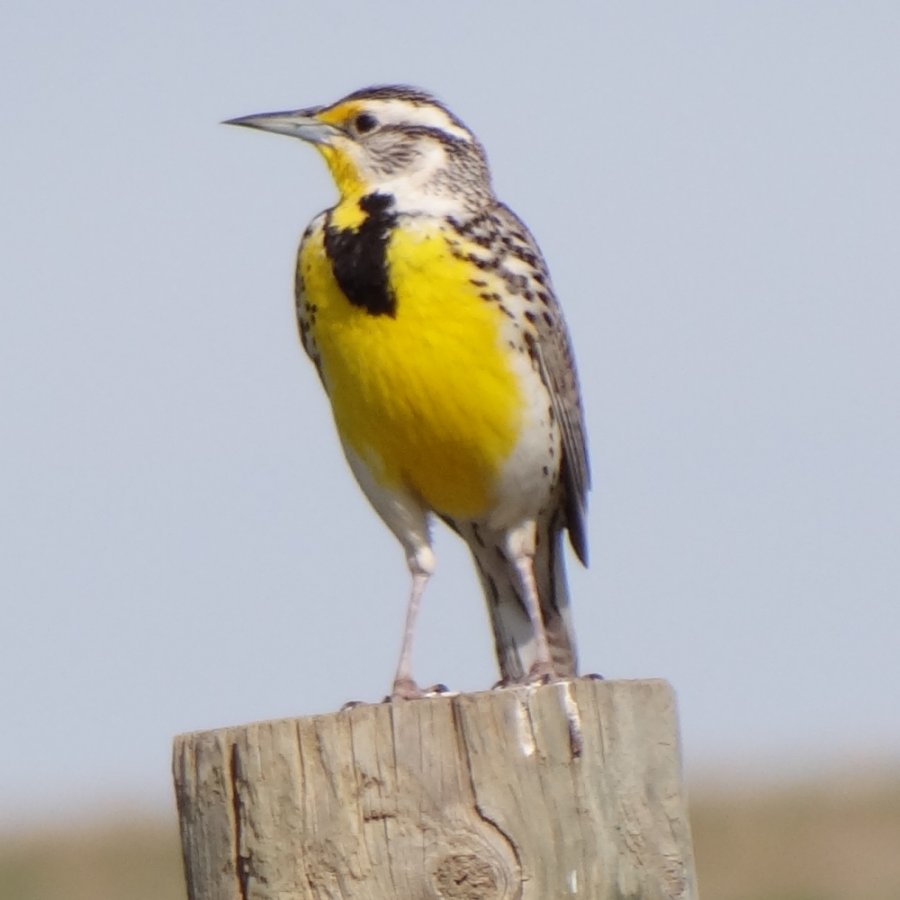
x=405, y=689
x=541, y=672
x=436, y=690
x=352, y=704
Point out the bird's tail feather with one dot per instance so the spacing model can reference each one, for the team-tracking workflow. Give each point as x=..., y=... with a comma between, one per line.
x=514, y=638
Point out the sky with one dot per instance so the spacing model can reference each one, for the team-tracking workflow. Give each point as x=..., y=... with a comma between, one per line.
x=716, y=188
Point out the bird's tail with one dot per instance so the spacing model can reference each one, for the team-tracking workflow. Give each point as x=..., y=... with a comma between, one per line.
x=514, y=638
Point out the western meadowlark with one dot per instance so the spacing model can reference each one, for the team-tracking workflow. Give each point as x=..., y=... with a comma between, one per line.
x=427, y=309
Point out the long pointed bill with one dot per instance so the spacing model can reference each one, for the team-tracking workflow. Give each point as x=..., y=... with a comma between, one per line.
x=299, y=123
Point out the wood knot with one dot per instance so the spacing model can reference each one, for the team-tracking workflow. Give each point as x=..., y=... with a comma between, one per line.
x=467, y=876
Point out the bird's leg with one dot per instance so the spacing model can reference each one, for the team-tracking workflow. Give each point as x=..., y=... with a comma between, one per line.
x=521, y=550
x=421, y=565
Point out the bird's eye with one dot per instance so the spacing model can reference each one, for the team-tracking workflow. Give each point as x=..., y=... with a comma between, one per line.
x=365, y=122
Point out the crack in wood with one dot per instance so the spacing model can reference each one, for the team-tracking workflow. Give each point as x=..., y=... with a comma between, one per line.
x=241, y=862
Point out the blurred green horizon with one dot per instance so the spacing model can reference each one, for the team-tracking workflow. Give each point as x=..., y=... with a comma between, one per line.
x=822, y=837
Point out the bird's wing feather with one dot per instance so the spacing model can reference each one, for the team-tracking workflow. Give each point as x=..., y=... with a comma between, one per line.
x=312, y=239
x=557, y=363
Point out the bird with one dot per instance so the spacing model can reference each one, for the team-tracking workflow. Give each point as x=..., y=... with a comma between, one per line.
x=428, y=311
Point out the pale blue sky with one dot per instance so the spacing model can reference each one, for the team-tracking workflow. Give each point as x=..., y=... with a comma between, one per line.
x=716, y=187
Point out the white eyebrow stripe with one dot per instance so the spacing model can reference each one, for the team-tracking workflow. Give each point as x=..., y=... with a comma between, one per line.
x=397, y=112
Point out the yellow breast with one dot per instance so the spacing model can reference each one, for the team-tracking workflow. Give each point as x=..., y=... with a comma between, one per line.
x=426, y=397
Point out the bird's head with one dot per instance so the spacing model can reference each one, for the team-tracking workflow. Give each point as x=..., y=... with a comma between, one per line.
x=395, y=140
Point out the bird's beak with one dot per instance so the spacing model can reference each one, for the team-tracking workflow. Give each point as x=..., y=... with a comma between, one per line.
x=298, y=123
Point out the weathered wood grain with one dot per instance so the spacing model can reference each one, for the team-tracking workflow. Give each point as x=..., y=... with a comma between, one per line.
x=564, y=790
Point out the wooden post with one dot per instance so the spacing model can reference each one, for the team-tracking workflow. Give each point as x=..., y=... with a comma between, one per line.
x=570, y=789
